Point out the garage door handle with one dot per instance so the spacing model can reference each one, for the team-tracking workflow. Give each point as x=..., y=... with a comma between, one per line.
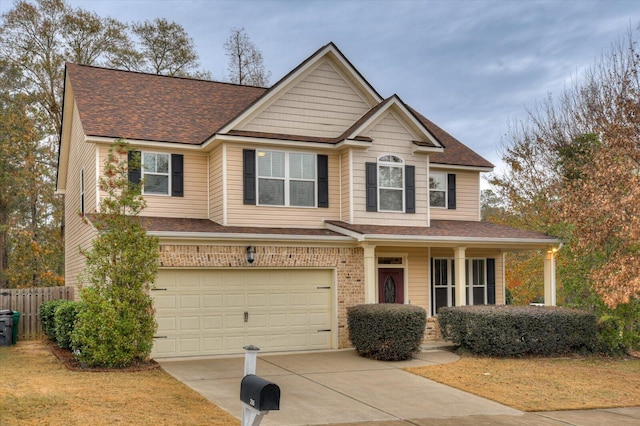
x=160, y=337
x=158, y=289
x=320, y=331
x=246, y=316
x=323, y=288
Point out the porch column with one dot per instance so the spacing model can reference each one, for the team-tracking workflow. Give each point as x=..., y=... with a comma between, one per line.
x=369, y=274
x=460, y=275
x=550, y=278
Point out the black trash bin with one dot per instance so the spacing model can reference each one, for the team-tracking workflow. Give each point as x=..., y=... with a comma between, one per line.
x=6, y=327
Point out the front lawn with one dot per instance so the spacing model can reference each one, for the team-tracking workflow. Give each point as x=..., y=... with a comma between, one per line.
x=544, y=384
x=36, y=388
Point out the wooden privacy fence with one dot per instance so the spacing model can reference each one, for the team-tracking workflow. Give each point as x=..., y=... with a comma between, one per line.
x=27, y=301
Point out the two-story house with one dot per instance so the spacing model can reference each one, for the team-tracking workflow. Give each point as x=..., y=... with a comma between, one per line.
x=279, y=208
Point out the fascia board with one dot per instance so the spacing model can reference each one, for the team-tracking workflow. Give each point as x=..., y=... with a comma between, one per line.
x=144, y=143
x=433, y=166
x=245, y=236
x=64, y=146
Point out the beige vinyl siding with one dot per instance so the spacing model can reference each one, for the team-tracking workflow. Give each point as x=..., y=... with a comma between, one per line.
x=345, y=177
x=78, y=234
x=216, y=185
x=467, y=197
x=389, y=136
x=194, y=202
x=321, y=104
x=239, y=214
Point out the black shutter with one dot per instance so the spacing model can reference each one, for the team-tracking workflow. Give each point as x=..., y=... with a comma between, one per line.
x=410, y=189
x=249, y=176
x=323, y=181
x=491, y=281
x=177, y=175
x=372, y=187
x=134, y=166
x=451, y=189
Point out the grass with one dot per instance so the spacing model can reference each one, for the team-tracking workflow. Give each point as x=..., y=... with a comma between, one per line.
x=544, y=384
x=36, y=388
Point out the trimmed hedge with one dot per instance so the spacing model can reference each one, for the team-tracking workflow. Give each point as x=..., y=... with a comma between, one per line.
x=64, y=320
x=46, y=312
x=387, y=332
x=500, y=330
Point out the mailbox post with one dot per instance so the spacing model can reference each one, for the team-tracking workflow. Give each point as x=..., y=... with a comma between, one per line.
x=258, y=395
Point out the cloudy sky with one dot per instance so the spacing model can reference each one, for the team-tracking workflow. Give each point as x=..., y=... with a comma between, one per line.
x=470, y=66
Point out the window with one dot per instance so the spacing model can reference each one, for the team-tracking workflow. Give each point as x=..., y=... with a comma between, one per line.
x=476, y=273
x=479, y=280
x=286, y=178
x=155, y=173
x=390, y=183
x=443, y=284
x=82, y=192
x=438, y=189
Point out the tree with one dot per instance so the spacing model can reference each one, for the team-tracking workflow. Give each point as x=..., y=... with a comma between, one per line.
x=165, y=48
x=245, y=60
x=37, y=37
x=116, y=324
x=574, y=172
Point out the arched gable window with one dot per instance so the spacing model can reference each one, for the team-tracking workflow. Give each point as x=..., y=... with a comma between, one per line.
x=390, y=185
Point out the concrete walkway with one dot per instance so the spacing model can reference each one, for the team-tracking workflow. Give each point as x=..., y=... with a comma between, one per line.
x=339, y=387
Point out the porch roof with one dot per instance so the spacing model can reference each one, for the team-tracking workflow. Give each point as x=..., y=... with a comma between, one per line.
x=448, y=233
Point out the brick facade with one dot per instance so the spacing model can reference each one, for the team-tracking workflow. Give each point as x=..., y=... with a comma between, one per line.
x=348, y=262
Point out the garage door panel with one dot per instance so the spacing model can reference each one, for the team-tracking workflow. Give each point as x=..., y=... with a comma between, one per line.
x=167, y=324
x=202, y=312
x=191, y=301
x=212, y=301
x=235, y=300
x=212, y=322
x=165, y=301
x=189, y=323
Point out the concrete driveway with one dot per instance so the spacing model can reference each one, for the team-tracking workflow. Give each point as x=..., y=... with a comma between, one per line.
x=340, y=387
x=337, y=387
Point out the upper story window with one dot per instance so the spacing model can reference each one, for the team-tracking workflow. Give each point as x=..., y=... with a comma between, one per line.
x=162, y=174
x=286, y=178
x=438, y=189
x=155, y=173
x=390, y=183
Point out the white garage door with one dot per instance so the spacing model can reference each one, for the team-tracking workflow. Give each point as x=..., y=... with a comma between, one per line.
x=212, y=312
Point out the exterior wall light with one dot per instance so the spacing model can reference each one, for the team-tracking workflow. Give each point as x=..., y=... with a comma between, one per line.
x=251, y=254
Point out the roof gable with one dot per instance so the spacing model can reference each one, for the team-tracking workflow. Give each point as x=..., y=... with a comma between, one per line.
x=327, y=68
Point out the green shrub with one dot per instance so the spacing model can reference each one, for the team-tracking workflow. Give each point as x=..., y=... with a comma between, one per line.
x=387, y=332
x=64, y=320
x=46, y=312
x=611, y=336
x=518, y=330
x=113, y=332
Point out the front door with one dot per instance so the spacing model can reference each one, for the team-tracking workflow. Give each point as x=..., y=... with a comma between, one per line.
x=390, y=285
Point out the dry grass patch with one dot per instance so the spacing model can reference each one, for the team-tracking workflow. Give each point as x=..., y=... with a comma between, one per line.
x=544, y=384
x=37, y=388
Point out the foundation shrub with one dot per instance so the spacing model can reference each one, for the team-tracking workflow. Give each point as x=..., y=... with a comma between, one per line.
x=64, y=320
x=386, y=332
x=46, y=313
x=507, y=331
